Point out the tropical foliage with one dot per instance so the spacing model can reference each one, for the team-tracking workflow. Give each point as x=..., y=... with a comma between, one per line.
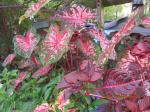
x=69, y=69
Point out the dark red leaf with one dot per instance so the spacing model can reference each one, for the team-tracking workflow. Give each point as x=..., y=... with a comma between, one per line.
x=119, y=84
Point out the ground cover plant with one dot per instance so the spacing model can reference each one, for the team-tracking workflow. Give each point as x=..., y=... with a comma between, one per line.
x=75, y=68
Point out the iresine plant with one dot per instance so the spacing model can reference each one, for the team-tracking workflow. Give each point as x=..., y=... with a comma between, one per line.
x=85, y=54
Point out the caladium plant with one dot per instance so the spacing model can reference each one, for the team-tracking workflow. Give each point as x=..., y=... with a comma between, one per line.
x=62, y=50
x=54, y=45
x=25, y=45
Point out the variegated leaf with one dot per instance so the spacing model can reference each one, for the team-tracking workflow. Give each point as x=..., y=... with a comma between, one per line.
x=54, y=45
x=24, y=45
x=75, y=15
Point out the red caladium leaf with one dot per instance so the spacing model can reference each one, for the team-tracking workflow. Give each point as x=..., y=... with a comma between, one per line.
x=33, y=9
x=20, y=78
x=42, y=108
x=118, y=84
x=54, y=45
x=76, y=15
x=42, y=71
x=125, y=30
x=24, y=45
x=9, y=59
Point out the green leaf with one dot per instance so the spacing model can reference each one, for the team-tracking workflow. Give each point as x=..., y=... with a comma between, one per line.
x=98, y=102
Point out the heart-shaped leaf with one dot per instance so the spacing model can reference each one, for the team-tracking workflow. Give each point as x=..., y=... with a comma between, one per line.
x=24, y=45
x=54, y=45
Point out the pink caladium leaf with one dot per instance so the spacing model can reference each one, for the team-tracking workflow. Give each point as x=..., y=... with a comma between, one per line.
x=20, y=78
x=24, y=45
x=9, y=59
x=75, y=15
x=42, y=108
x=54, y=45
x=42, y=71
x=33, y=9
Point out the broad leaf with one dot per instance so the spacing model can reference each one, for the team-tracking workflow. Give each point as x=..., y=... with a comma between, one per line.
x=54, y=45
x=75, y=15
x=118, y=84
x=24, y=45
x=9, y=59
